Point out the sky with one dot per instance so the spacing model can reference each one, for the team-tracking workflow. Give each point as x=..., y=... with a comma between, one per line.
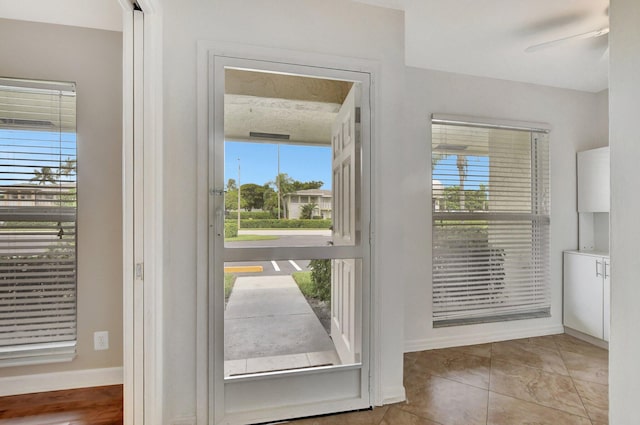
x=259, y=162
x=24, y=151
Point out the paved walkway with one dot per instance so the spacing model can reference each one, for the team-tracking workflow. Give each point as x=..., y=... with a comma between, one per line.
x=286, y=232
x=270, y=326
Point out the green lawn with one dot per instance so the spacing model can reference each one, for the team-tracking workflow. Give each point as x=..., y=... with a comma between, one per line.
x=306, y=285
x=243, y=238
x=229, y=280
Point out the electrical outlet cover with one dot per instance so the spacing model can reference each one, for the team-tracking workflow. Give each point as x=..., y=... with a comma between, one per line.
x=101, y=340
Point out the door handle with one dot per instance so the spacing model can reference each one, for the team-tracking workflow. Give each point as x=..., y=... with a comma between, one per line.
x=606, y=265
x=219, y=222
x=598, y=263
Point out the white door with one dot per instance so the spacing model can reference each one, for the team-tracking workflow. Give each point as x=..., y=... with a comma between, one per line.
x=606, y=304
x=292, y=391
x=344, y=274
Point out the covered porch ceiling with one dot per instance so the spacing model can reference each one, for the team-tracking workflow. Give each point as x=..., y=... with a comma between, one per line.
x=269, y=107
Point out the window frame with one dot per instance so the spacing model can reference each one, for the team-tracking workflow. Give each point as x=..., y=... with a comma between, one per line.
x=539, y=216
x=39, y=343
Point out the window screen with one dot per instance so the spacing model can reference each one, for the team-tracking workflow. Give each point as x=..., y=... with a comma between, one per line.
x=490, y=201
x=37, y=221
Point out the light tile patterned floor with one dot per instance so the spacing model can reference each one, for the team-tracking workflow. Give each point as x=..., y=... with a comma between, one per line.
x=551, y=380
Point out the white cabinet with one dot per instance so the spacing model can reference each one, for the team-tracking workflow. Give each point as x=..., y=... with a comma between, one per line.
x=593, y=180
x=586, y=293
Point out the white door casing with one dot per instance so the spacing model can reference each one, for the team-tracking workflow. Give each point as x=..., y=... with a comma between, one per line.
x=295, y=393
x=344, y=272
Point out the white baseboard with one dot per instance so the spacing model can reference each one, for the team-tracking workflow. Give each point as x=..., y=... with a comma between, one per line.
x=587, y=338
x=26, y=384
x=393, y=395
x=479, y=338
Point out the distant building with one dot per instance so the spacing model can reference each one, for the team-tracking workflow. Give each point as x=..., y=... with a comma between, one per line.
x=320, y=197
x=34, y=195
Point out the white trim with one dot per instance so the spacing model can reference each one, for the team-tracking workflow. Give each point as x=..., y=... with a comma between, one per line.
x=127, y=210
x=27, y=384
x=587, y=338
x=153, y=213
x=143, y=367
x=206, y=385
x=393, y=395
x=472, y=338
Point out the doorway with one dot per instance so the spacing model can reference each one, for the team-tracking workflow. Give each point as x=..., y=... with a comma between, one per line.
x=289, y=240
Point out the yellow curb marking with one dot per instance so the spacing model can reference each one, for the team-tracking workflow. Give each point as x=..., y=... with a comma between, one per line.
x=243, y=269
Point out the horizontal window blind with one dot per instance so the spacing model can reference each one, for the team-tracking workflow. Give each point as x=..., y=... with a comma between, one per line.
x=38, y=205
x=490, y=189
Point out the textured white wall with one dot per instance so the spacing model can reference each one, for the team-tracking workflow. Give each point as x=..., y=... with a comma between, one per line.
x=572, y=116
x=334, y=27
x=624, y=97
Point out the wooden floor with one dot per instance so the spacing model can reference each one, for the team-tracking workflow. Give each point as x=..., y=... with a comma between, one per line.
x=84, y=406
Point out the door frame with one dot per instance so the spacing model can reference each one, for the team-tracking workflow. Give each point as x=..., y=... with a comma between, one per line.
x=142, y=179
x=210, y=390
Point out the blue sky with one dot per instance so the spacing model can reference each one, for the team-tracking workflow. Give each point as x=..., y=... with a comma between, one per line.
x=25, y=151
x=259, y=162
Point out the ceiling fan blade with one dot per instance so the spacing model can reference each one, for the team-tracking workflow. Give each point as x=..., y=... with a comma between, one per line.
x=553, y=43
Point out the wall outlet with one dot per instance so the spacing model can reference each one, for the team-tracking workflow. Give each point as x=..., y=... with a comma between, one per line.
x=101, y=340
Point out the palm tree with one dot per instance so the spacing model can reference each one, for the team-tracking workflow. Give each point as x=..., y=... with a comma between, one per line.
x=461, y=163
x=69, y=167
x=44, y=176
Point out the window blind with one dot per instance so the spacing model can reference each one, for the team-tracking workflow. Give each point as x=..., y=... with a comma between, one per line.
x=491, y=217
x=38, y=205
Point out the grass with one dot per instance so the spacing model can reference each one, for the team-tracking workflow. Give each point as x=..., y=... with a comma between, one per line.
x=229, y=280
x=242, y=238
x=305, y=283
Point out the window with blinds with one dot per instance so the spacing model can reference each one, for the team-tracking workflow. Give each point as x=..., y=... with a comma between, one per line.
x=490, y=202
x=37, y=221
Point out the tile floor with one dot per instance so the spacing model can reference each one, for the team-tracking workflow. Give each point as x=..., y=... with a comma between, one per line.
x=551, y=380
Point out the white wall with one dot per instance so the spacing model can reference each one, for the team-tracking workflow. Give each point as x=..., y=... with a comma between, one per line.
x=93, y=60
x=572, y=116
x=624, y=96
x=334, y=27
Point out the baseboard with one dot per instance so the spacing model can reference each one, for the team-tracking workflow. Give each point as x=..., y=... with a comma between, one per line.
x=26, y=384
x=587, y=338
x=479, y=338
x=393, y=395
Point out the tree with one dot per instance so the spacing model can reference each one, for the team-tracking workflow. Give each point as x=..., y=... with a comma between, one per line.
x=306, y=211
x=231, y=200
x=44, y=176
x=252, y=196
x=283, y=184
x=232, y=185
x=461, y=163
x=298, y=185
x=476, y=200
x=451, y=200
x=69, y=167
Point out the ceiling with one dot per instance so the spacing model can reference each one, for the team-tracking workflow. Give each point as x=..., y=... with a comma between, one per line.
x=476, y=37
x=488, y=38
x=299, y=109
x=99, y=14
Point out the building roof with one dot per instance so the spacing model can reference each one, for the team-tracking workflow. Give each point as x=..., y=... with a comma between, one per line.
x=312, y=192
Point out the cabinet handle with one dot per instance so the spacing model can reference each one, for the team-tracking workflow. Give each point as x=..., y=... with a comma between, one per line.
x=598, y=274
x=606, y=265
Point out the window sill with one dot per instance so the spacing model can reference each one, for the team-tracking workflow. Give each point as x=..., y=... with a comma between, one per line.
x=27, y=355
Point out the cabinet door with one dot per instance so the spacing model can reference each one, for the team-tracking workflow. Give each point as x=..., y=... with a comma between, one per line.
x=593, y=180
x=583, y=293
x=607, y=298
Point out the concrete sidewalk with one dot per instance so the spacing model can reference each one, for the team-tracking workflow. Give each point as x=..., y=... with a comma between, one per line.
x=285, y=232
x=268, y=318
